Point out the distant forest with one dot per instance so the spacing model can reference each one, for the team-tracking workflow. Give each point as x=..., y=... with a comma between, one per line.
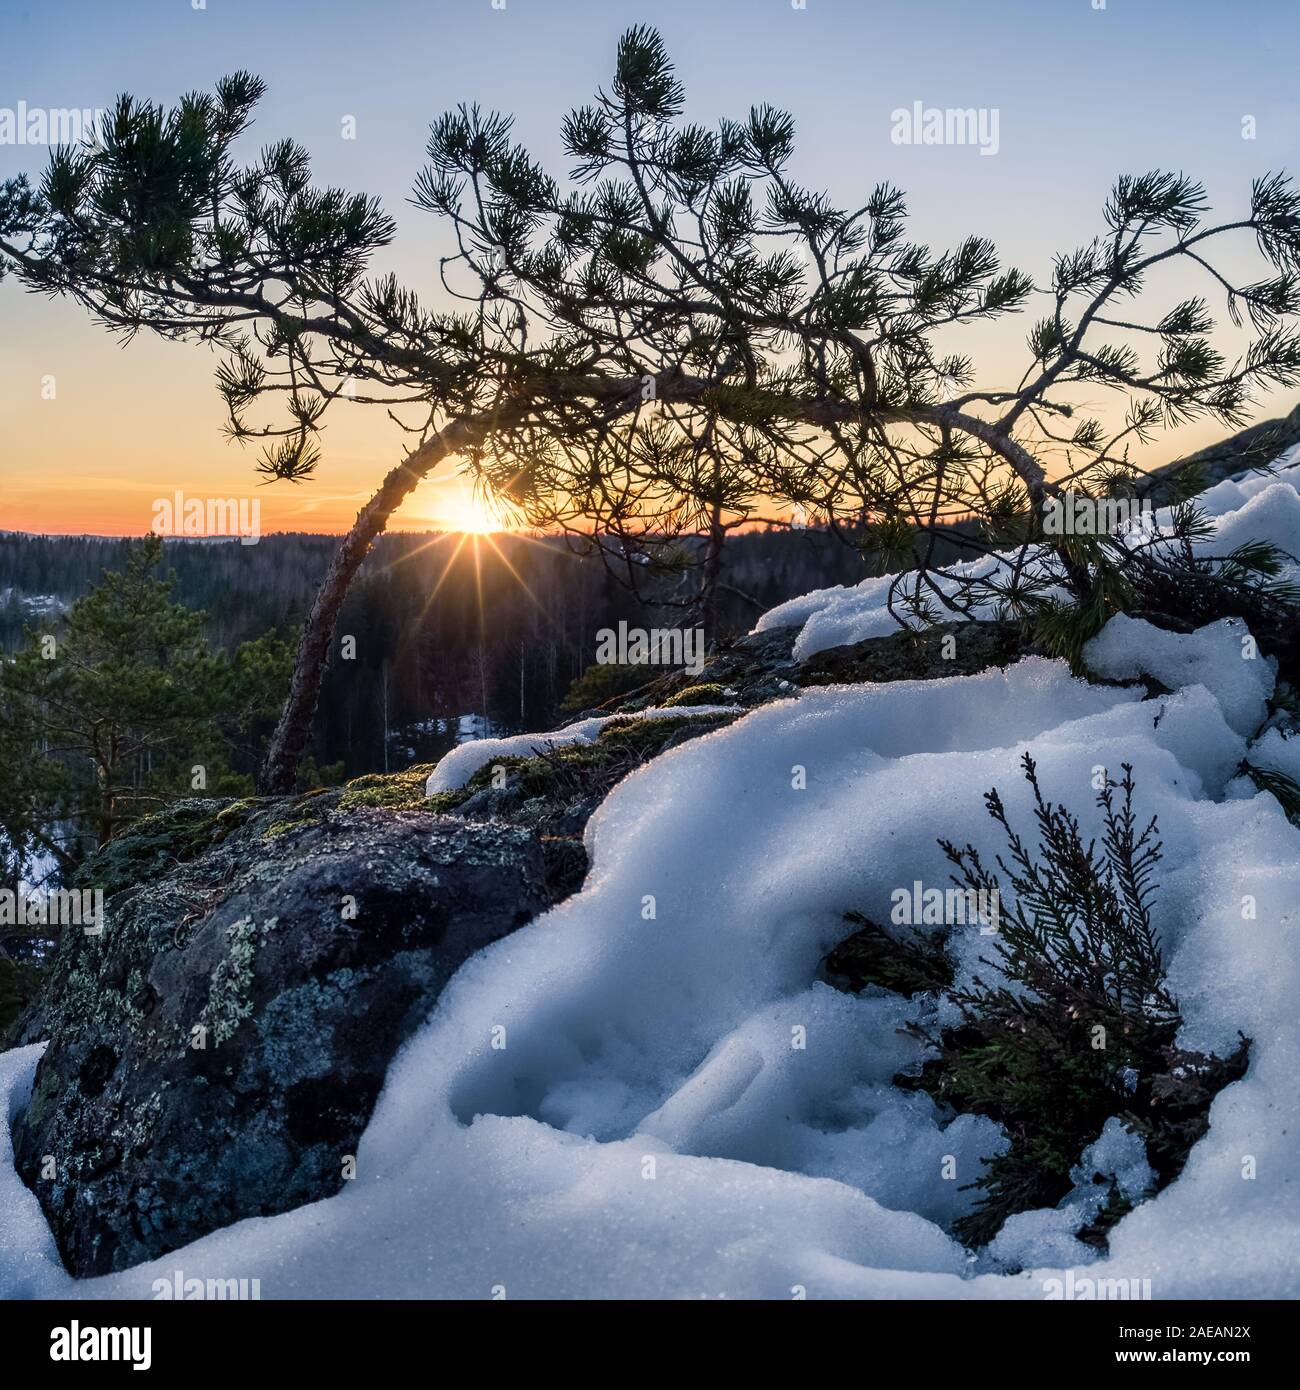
x=424, y=655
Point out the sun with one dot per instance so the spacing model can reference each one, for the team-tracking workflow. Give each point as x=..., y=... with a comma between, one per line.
x=471, y=513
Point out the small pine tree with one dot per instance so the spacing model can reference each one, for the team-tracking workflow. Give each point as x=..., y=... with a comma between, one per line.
x=106, y=716
x=673, y=333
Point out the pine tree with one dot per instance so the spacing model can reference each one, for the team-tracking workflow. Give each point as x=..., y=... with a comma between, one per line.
x=682, y=296
x=120, y=708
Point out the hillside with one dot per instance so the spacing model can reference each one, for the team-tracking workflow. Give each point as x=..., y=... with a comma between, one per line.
x=596, y=1014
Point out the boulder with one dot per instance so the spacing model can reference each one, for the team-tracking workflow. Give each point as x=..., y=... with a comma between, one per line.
x=216, y=1053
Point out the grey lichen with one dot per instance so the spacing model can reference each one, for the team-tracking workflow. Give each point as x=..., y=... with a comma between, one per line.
x=228, y=996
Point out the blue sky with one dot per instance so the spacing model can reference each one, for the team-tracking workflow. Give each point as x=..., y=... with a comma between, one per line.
x=1083, y=93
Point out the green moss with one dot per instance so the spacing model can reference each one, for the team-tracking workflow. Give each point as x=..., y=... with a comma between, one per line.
x=601, y=682
x=658, y=733
x=158, y=842
x=401, y=790
x=707, y=694
x=280, y=827
x=304, y=809
x=239, y=812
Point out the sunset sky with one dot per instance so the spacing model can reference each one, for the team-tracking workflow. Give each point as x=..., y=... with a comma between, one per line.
x=1099, y=91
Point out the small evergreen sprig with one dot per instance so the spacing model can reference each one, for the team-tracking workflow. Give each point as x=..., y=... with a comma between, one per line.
x=1083, y=1026
x=1080, y=928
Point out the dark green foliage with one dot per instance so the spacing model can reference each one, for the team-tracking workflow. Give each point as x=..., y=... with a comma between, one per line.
x=1172, y=584
x=18, y=985
x=116, y=696
x=1079, y=930
x=1286, y=790
x=602, y=681
x=1063, y=627
x=913, y=964
x=1084, y=1028
x=1082, y=1025
x=1166, y=578
x=108, y=713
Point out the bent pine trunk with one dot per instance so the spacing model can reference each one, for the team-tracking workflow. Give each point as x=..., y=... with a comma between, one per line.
x=289, y=741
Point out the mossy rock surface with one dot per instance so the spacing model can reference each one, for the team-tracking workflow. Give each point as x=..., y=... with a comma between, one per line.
x=947, y=649
x=747, y=671
x=180, y=832
x=398, y=790
x=556, y=792
x=709, y=693
x=217, y=1051
x=156, y=843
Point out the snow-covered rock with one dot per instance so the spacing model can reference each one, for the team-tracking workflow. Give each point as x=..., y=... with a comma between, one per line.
x=458, y=766
x=1221, y=656
x=1259, y=507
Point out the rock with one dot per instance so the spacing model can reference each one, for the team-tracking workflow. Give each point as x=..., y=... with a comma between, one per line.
x=217, y=1052
x=909, y=656
x=555, y=792
x=747, y=671
x=1251, y=448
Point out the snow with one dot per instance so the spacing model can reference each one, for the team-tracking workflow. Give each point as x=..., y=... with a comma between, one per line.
x=1263, y=506
x=1271, y=515
x=840, y=616
x=458, y=766
x=649, y=1092
x=1048, y=1236
x=35, y=604
x=1277, y=750
x=1222, y=656
x=29, y=1260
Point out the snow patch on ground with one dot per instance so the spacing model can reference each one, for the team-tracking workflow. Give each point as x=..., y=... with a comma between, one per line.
x=458, y=766
x=1221, y=655
x=29, y=1261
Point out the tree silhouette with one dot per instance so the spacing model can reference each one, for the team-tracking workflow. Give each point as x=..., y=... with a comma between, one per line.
x=679, y=313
